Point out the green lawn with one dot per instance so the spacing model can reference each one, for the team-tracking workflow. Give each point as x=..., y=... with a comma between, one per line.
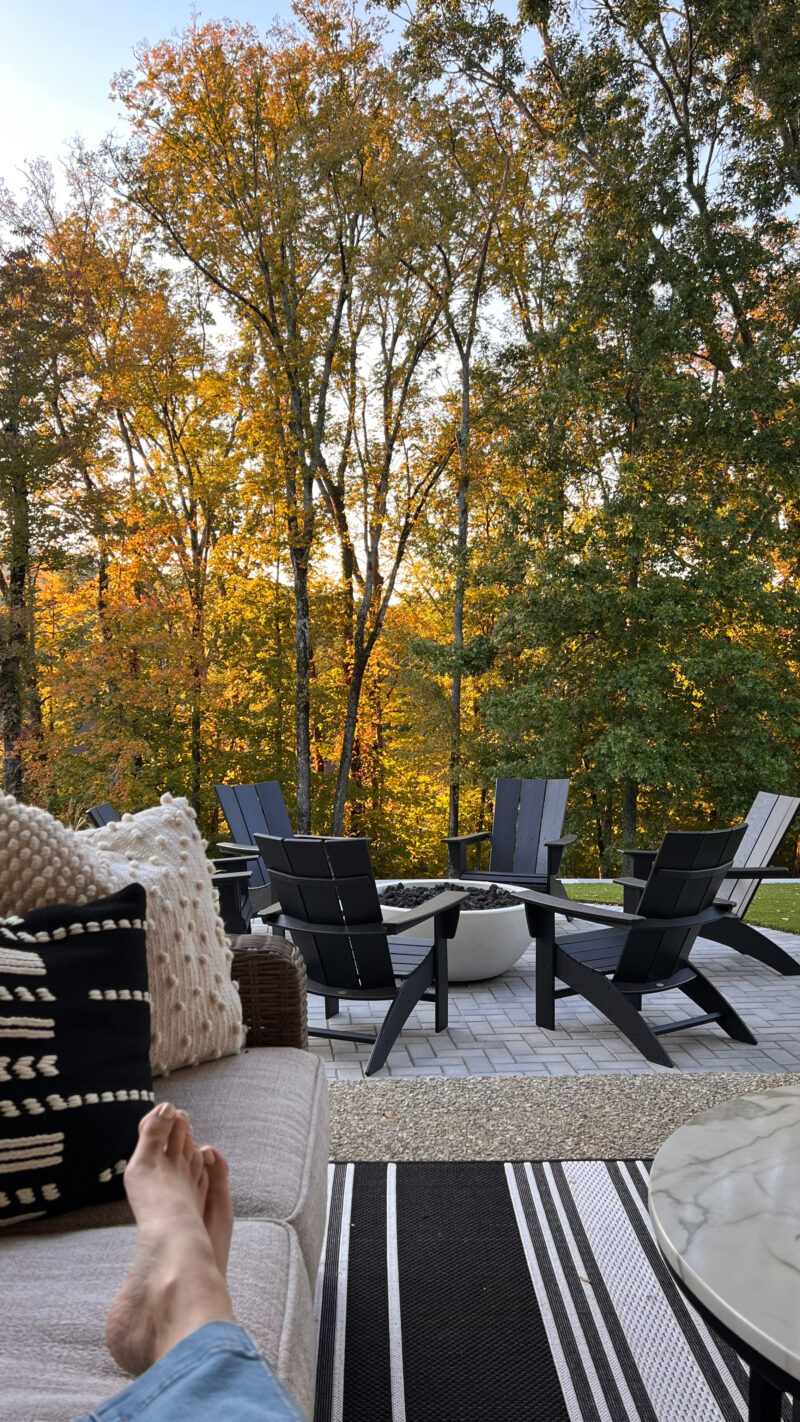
x=774, y=906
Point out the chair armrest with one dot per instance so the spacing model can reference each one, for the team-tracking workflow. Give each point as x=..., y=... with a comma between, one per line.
x=631, y=891
x=719, y=909
x=271, y=978
x=457, y=846
x=232, y=864
x=477, y=838
x=248, y=851
x=593, y=913
x=770, y=872
x=443, y=903
x=555, y=850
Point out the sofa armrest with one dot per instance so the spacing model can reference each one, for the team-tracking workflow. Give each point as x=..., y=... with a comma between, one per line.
x=271, y=977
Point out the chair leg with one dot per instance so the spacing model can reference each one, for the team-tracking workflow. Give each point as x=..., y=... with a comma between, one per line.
x=703, y=992
x=735, y=933
x=440, y=982
x=331, y=1007
x=403, y=1005
x=602, y=994
x=545, y=981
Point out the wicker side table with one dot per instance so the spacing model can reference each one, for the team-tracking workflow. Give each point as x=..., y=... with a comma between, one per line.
x=271, y=977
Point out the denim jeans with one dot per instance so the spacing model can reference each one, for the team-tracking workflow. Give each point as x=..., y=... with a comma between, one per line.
x=217, y=1373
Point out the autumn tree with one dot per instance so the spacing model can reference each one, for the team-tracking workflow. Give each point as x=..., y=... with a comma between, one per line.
x=274, y=168
x=36, y=363
x=469, y=151
x=161, y=483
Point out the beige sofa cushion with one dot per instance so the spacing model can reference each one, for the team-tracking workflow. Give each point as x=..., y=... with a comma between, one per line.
x=196, y=1011
x=56, y=1293
x=267, y=1111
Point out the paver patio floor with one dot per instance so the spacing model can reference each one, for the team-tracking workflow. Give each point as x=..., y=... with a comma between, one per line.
x=492, y=1030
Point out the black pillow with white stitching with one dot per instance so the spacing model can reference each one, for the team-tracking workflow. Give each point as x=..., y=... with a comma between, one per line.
x=74, y=1053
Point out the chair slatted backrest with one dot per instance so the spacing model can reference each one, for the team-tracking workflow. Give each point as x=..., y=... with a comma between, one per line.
x=527, y=813
x=768, y=819
x=331, y=881
x=684, y=880
x=104, y=814
x=255, y=809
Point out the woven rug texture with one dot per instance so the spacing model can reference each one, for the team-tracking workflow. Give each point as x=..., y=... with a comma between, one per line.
x=520, y=1292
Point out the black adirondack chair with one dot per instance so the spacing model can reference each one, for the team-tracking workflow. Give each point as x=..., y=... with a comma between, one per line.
x=636, y=954
x=101, y=815
x=231, y=877
x=250, y=810
x=526, y=837
x=327, y=899
x=768, y=819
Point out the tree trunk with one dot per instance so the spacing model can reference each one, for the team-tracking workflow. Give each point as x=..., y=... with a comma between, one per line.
x=458, y=647
x=462, y=535
x=277, y=758
x=604, y=826
x=14, y=648
x=630, y=810
x=198, y=667
x=12, y=696
x=376, y=798
x=302, y=651
x=360, y=659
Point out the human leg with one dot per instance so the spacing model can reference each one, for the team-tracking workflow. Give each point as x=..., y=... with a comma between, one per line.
x=175, y=1284
x=216, y=1374
x=172, y=1322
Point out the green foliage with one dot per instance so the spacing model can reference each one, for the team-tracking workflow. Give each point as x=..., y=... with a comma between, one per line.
x=217, y=527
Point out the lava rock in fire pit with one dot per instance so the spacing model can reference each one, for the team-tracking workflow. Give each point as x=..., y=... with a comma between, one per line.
x=412, y=895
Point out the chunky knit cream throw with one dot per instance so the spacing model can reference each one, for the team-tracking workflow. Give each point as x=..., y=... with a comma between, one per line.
x=196, y=1011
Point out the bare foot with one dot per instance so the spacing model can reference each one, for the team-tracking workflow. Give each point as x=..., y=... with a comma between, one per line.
x=176, y=1282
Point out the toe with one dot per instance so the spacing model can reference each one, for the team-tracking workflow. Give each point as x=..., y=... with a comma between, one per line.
x=176, y=1145
x=197, y=1166
x=190, y=1144
x=218, y=1198
x=155, y=1130
x=217, y=1167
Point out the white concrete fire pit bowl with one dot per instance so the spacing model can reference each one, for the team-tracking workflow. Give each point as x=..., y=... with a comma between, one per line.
x=487, y=941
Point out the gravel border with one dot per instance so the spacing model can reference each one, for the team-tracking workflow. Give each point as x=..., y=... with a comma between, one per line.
x=582, y=1117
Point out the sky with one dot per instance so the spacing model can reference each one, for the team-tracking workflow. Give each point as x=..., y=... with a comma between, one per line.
x=57, y=59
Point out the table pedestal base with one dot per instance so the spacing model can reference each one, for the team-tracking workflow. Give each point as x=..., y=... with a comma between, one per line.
x=768, y=1383
x=765, y=1400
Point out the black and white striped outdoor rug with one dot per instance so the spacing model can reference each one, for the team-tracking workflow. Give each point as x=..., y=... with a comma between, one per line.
x=484, y=1292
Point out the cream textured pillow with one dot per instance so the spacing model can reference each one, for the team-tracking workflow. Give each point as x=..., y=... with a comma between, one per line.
x=196, y=1011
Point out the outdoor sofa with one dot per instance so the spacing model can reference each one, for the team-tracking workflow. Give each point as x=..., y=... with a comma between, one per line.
x=266, y=1109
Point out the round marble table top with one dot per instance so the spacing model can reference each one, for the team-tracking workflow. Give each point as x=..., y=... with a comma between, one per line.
x=725, y=1204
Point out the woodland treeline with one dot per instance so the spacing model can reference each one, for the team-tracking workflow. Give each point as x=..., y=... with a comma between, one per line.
x=410, y=398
